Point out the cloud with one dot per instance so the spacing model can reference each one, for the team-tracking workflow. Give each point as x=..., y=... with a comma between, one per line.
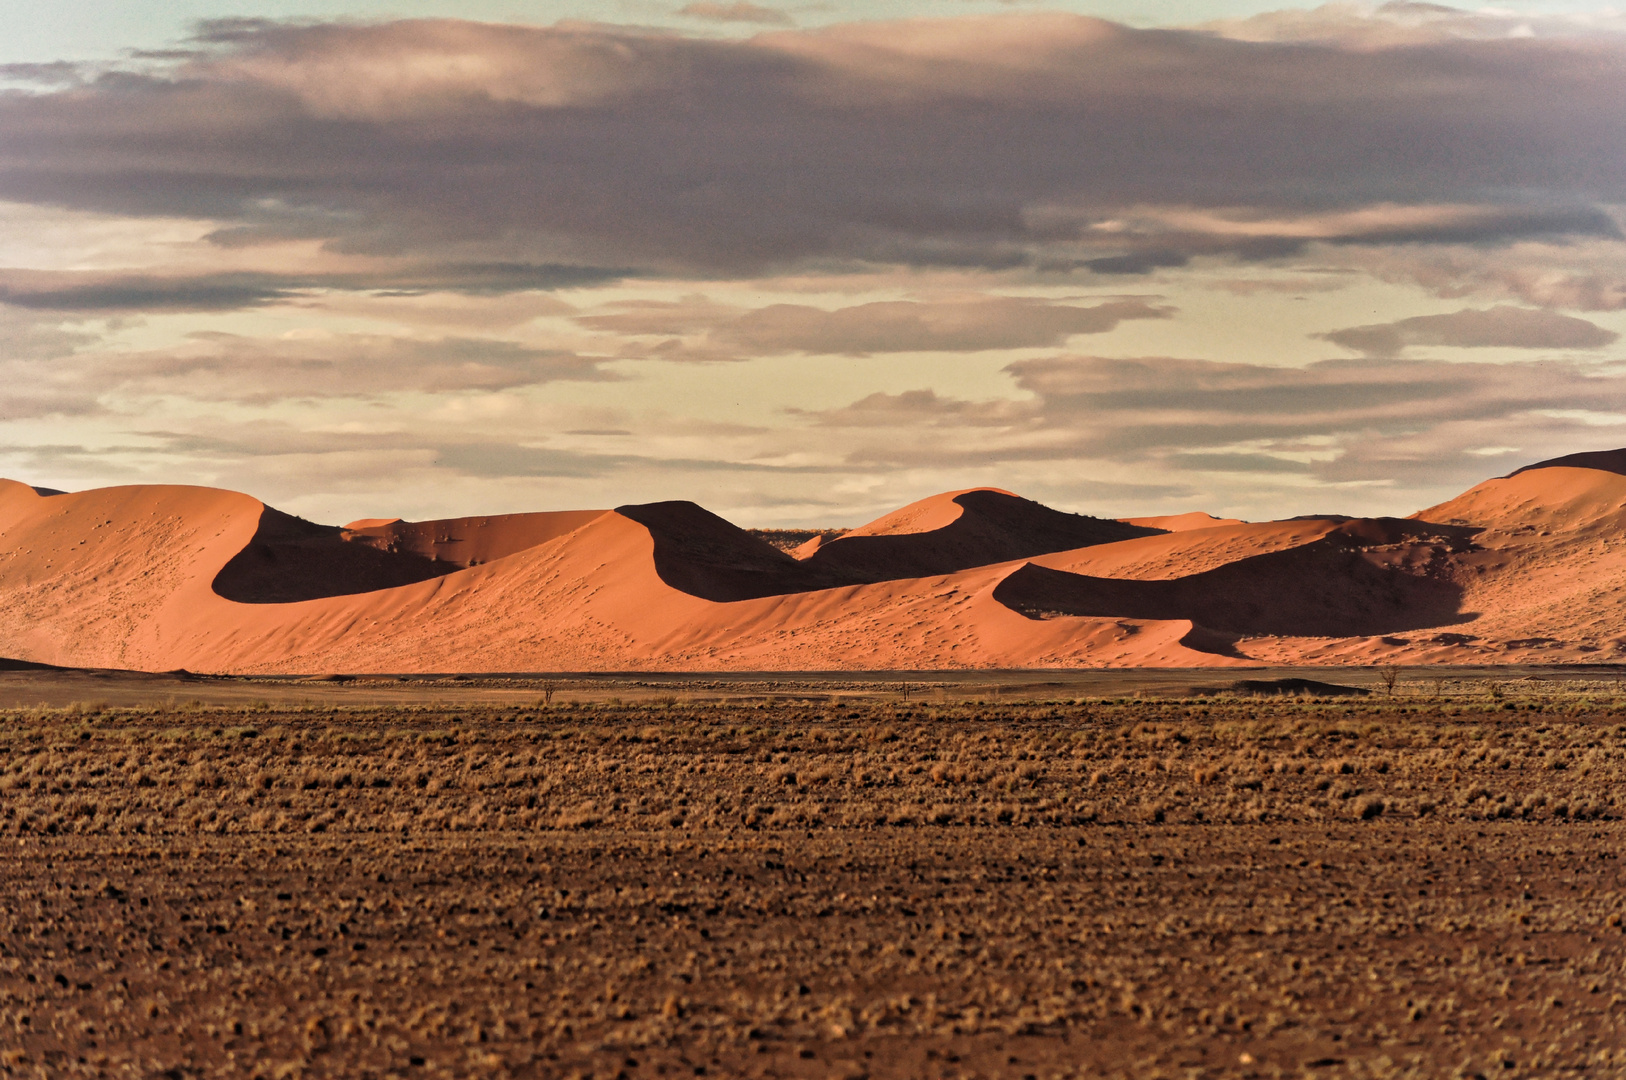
x=1406, y=23
x=86, y=291
x=217, y=367
x=39, y=371
x=508, y=460
x=25, y=402
x=1049, y=142
x=1338, y=421
x=1579, y=274
x=415, y=189
x=736, y=12
x=55, y=73
x=25, y=336
x=144, y=293
x=971, y=324
x=1497, y=327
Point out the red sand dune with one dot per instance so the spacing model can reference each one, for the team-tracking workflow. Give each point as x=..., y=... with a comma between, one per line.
x=1182, y=522
x=1527, y=567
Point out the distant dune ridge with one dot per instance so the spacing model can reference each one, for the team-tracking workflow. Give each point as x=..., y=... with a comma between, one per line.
x=1529, y=567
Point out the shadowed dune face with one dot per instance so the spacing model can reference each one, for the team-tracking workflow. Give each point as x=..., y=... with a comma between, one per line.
x=1367, y=577
x=291, y=560
x=704, y=555
x=1613, y=461
x=991, y=527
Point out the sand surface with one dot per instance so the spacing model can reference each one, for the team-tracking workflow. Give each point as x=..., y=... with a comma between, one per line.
x=1527, y=568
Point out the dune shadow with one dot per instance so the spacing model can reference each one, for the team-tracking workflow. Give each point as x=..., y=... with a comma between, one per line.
x=290, y=560
x=1359, y=580
x=1603, y=460
x=707, y=556
x=704, y=555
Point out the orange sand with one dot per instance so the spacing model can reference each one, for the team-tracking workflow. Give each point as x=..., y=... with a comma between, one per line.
x=1182, y=522
x=1525, y=568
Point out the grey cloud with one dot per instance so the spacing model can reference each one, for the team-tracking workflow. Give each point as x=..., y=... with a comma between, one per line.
x=1497, y=327
x=1582, y=275
x=56, y=73
x=103, y=292
x=507, y=460
x=1491, y=227
x=491, y=457
x=1141, y=262
x=738, y=11
x=1328, y=421
x=38, y=369
x=38, y=402
x=499, y=460
x=148, y=294
x=1238, y=463
x=1046, y=141
x=28, y=336
x=971, y=324
x=273, y=439
x=1407, y=23
x=227, y=367
x=1155, y=243
x=911, y=408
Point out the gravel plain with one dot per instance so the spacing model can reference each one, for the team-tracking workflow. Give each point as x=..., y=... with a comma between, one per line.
x=1408, y=885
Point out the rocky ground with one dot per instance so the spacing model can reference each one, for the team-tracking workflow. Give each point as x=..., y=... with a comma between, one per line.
x=1414, y=885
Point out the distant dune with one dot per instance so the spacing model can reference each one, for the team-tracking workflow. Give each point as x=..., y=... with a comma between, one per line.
x=1526, y=568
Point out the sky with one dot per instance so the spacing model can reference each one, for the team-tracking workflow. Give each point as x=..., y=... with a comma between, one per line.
x=804, y=263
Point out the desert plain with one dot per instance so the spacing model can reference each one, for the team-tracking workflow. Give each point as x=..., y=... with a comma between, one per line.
x=1122, y=874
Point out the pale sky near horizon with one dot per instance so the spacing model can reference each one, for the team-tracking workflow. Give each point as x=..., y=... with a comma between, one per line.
x=802, y=264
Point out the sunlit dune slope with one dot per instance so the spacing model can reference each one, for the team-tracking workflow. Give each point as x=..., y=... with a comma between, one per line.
x=467, y=541
x=1523, y=568
x=1181, y=522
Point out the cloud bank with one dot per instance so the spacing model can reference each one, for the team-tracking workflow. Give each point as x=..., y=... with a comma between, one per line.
x=1046, y=141
x=965, y=324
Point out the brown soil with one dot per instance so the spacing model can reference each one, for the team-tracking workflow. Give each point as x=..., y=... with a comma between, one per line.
x=1418, y=885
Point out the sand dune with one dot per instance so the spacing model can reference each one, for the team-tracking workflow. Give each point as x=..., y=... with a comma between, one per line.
x=1182, y=522
x=1524, y=568
x=470, y=541
x=959, y=530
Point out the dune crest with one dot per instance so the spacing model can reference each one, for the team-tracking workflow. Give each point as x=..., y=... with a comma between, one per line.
x=959, y=530
x=1523, y=568
x=1196, y=519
